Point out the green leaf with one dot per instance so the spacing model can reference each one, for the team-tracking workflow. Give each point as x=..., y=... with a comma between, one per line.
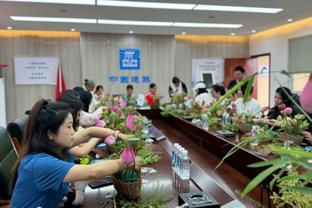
x=231, y=92
x=276, y=177
x=233, y=150
x=259, y=178
x=268, y=162
x=248, y=88
x=302, y=189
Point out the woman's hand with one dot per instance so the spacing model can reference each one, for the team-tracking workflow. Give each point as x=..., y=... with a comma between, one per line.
x=273, y=122
x=124, y=137
x=307, y=136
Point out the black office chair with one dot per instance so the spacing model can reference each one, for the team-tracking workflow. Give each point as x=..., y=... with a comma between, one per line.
x=8, y=158
x=16, y=130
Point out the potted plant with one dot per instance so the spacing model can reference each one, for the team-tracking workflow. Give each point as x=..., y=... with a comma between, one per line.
x=292, y=128
x=128, y=182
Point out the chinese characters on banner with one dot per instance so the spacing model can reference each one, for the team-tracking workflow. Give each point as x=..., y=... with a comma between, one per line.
x=36, y=70
x=129, y=79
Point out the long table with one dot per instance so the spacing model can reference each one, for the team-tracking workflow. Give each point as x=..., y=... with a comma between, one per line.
x=214, y=143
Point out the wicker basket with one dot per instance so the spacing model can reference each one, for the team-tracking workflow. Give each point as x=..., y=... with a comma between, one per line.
x=128, y=190
x=297, y=139
x=243, y=127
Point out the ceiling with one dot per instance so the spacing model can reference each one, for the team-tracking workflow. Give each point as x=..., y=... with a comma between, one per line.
x=294, y=9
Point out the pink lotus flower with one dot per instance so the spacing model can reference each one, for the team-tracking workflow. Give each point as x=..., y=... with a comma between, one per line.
x=114, y=108
x=248, y=134
x=130, y=123
x=288, y=110
x=127, y=156
x=306, y=96
x=281, y=106
x=123, y=104
x=110, y=140
x=100, y=123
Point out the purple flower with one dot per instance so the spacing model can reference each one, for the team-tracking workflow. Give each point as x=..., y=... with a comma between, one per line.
x=130, y=123
x=100, y=123
x=288, y=110
x=110, y=140
x=127, y=156
x=123, y=104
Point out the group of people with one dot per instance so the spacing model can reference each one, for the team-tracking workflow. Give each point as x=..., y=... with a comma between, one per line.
x=53, y=140
x=58, y=131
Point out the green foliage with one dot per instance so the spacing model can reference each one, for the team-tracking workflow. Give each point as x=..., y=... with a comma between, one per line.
x=232, y=127
x=290, y=161
x=263, y=135
x=156, y=198
x=289, y=196
x=295, y=125
x=128, y=175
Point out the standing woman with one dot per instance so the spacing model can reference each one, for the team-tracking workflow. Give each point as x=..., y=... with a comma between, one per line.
x=43, y=173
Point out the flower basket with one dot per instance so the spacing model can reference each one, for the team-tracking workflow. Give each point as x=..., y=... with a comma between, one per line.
x=297, y=139
x=129, y=188
x=244, y=127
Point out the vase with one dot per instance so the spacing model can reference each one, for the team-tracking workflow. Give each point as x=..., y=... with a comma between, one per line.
x=128, y=190
x=296, y=139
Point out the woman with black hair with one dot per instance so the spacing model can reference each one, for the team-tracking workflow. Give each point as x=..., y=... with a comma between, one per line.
x=43, y=173
x=217, y=91
x=282, y=101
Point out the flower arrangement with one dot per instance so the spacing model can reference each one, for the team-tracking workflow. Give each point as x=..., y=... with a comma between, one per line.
x=293, y=175
x=295, y=125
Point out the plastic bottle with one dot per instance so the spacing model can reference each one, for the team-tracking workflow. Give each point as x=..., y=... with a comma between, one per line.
x=185, y=171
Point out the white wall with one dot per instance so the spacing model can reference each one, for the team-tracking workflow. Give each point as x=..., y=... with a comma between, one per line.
x=275, y=42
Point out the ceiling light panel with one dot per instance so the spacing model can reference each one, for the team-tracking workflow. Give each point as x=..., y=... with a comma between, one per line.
x=84, y=2
x=53, y=19
x=206, y=25
x=140, y=4
x=137, y=23
x=237, y=9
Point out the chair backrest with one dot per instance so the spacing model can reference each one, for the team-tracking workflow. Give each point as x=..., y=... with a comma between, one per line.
x=8, y=157
x=17, y=127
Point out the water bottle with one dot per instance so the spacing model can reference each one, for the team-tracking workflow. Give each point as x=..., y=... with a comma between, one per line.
x=173, y=155
x=205, y=122
x=185, y=166
x=179, y=160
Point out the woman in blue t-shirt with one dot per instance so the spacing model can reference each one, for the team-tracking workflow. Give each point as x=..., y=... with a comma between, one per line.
x=43, y=173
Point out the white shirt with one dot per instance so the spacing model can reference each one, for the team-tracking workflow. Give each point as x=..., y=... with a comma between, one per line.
x=204, y=97
x=251, y=107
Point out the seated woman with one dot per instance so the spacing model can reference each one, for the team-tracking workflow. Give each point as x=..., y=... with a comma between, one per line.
x=250, y=107
x=43, y=172
x=202, y=96
x=129, y=98
x=282, y=101
x=152, y=96
x=217, y=91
